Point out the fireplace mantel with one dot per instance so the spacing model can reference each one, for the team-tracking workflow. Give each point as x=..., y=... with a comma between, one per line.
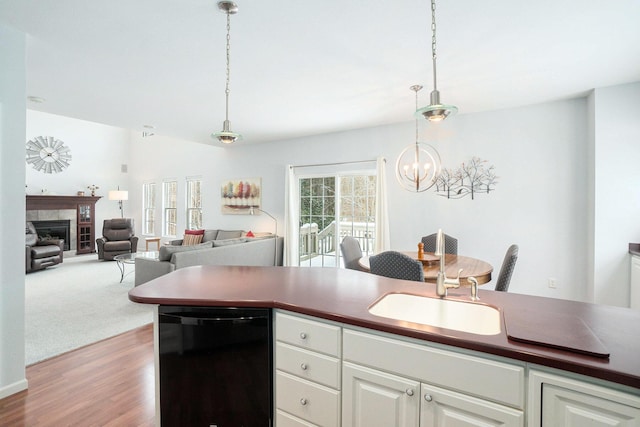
x=42, y=202
x=85, y=208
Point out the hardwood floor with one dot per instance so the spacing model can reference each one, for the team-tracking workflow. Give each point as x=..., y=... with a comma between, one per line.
x=109, y=383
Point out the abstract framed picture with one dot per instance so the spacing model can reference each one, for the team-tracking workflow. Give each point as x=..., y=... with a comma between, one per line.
x=238, y=196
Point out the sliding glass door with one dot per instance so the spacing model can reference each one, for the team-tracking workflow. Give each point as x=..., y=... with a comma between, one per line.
x=332, y=207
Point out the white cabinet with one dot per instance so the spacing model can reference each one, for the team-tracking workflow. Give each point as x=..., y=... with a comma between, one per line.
x=307, y=360
x=559, y=401
x=372, y=398
x=635, y=282
x=388, y=382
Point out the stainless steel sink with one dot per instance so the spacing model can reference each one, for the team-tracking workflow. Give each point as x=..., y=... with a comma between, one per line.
x=441, y=313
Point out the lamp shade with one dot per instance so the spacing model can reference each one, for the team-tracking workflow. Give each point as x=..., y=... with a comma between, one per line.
x=118, y=195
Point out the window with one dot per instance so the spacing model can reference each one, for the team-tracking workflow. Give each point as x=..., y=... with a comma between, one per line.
x=194, y=203
x=148, y=208
x=169, y=208
x=332, y=207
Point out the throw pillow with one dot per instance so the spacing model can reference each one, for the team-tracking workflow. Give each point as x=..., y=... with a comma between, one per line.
x=192, y=237
x=167, y=251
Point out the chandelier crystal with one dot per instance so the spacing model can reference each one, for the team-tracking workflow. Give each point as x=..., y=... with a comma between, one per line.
x=226, y=136
x=418, y=166
x=435, y=111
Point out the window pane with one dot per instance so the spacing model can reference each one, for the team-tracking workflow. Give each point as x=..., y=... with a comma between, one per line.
x=194, y=204
x=169, y=200
x=148, y=208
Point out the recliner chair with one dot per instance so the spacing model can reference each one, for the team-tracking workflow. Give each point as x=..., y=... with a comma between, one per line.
x=41, y=253
x=118, y=237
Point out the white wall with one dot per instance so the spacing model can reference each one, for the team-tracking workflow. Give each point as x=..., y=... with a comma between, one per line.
x=617, y=189
x=98, y=152
x=12, y=130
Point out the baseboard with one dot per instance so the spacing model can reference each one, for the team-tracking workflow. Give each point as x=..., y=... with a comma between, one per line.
x=13, y=388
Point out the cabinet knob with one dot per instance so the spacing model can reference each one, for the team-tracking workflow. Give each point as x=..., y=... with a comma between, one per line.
x=303, y=335
x=303, y=366
x=409, y=392
x=303, y=401
x=428, y=397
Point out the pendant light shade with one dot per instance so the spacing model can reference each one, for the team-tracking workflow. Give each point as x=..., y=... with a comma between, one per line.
x=435, y=111
x=226, y=136
x=418, y=166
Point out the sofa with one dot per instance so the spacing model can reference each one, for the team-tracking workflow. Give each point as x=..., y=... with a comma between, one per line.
x=41, y=253
x=218, y=247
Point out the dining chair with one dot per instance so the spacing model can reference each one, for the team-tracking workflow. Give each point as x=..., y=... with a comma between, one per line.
x=506, y=271
x=351, y=253
x=450, y=243
x=397, y=266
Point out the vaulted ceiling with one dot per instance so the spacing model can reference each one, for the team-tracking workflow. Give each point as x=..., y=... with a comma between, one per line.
x=315, y=66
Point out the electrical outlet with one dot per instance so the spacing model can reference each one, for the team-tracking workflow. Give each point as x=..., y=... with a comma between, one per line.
x=553, y=283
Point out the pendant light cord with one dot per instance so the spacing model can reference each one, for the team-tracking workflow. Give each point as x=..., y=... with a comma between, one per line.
x=226, y=91
x=433, y=41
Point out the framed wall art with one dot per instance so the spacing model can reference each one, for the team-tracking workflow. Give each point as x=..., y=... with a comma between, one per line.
x=240, y=195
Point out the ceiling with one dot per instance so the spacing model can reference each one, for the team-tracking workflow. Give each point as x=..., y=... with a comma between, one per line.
x=317, y=66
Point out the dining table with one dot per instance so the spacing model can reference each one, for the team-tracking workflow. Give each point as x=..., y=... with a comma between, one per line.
x=471, y=267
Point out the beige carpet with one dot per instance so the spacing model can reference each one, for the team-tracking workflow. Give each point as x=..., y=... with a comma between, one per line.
x=76, y=303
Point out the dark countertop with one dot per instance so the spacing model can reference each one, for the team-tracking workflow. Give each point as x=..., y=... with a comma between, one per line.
x=345, y=296
x=634, y=249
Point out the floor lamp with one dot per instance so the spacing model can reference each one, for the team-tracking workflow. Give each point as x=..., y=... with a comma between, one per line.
x=119, y=195
x=252, y=211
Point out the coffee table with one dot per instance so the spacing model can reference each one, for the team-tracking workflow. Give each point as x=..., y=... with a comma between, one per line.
x=130, y=258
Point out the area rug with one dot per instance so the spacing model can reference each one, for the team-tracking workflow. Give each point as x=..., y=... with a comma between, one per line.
x=76, y=303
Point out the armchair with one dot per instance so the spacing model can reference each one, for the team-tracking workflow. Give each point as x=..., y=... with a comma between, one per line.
x=41, y=253
x=118, y=237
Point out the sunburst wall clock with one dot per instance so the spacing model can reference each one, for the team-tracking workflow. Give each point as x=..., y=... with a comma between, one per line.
x=48, y=154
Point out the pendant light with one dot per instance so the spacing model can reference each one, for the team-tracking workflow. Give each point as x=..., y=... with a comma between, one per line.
x=435, y=111
x=418, y=166
x=226, y=136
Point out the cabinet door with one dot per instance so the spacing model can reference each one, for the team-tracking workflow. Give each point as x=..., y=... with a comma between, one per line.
x=373, y=398
x=440, y=407
x=567, y=408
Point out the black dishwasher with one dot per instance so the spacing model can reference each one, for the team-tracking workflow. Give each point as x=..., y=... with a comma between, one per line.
x=215, y=366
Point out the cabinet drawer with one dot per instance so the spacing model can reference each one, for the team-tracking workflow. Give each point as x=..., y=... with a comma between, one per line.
x=489, y=379
x=308, y=334
x=287, y=420
x=311, y=402
x=308, y=365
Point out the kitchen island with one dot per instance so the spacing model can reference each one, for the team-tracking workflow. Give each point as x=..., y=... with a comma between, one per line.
x=339, y=300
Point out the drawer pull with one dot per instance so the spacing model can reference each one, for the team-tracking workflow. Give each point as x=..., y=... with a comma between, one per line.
x=303, y=401
x=409, y=392
x=303, y=366
x=428, y=397
x=303, y=335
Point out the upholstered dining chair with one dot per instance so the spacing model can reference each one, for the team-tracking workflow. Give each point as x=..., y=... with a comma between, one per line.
x=450, y=243
x=351, y=253
x=397, y=266
x=506, y=271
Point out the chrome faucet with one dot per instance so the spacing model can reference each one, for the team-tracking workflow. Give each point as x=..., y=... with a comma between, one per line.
x=474, y=288
x=443, y=283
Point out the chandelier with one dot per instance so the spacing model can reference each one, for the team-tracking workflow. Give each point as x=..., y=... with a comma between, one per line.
x=418, y=166
x=226, y=136
x=435, y=111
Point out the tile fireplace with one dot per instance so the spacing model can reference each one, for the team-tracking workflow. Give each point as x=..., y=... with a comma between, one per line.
x=78, y=211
